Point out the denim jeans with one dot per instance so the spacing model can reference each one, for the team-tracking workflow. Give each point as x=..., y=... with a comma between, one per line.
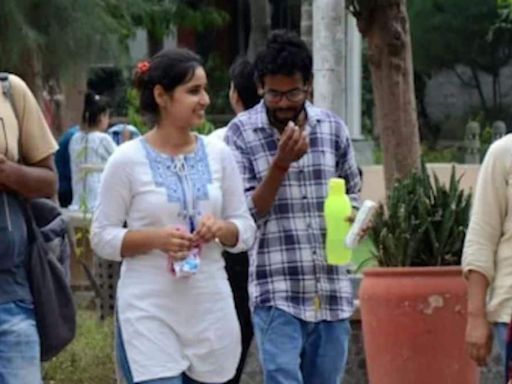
x=500, y=335
x=124, y=372
x=19, y=344
x=294, y=351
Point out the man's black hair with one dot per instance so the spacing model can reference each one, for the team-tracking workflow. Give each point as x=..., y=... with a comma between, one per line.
x=241, y=74
x=285, y=54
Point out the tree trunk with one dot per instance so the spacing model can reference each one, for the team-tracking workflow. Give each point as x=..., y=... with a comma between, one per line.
x=260, y=26
x=73, y=89
x=329, y=55
x=32, y=73
x=386, y=28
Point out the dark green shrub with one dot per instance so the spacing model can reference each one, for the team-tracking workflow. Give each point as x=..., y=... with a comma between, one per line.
x=423, y=224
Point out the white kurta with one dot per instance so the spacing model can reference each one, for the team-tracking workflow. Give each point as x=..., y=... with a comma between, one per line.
x=88, y=148
x=172, y=325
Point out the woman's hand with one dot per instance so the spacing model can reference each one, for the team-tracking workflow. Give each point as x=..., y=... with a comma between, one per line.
x=208, y=229
x=174, y=241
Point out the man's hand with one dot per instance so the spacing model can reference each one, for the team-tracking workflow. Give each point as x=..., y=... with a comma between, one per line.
x=5, y=164
x=292, y=145
x=479, y=338
x=363, y=232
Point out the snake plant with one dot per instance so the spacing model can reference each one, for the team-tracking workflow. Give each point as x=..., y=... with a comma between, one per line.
x=423, y=223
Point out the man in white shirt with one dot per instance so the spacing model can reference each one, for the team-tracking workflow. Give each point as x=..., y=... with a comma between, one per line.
x=243, y=95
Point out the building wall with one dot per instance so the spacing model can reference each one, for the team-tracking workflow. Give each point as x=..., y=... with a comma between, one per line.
x=373, y=178
x=450, y=102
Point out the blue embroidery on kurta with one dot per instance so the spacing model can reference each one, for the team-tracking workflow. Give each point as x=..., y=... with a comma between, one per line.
x=170, y=172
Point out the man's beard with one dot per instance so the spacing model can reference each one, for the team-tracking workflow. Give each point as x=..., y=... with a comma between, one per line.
x=280, y=123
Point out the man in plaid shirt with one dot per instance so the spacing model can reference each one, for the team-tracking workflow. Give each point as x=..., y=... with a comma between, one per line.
x=287, y=150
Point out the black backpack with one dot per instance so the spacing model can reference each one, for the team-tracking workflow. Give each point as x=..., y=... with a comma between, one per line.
x=47, y=265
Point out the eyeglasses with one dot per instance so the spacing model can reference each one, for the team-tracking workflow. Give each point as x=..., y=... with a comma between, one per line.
x=293, y=95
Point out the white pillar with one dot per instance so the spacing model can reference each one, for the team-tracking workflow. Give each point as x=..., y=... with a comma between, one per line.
x=329, y=87
x=353, y=77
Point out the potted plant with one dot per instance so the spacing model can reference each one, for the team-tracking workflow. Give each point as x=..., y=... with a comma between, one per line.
x=413, y=305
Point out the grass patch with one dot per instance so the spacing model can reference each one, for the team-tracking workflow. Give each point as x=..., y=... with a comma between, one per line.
x=89, y=358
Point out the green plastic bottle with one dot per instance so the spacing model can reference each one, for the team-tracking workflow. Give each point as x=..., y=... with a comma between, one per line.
x=337, y=208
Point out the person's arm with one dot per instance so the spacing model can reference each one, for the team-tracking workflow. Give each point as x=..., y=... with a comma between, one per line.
x=482, y=238
x=234, y=208
x=169, y=240
x=347, y=167
x=37, y=176
x=108, y=147
x=292, y=146
x=235, y=228
x=31, y=181
x=478, y=328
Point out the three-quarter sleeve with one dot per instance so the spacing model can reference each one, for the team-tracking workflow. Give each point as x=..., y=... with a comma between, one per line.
x=234, y=207
x=114, y=198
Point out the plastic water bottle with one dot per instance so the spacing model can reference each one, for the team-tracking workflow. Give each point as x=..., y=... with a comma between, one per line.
x=337, y=208
x=189, y=265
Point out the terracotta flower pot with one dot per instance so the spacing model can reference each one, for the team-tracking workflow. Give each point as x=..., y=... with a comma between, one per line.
x=414, y=321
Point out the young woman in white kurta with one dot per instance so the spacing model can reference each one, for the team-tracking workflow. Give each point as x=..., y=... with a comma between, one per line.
x=89, y=150
x=174, y=329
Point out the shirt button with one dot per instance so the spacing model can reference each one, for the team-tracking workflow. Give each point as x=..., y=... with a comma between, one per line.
x=304, y=197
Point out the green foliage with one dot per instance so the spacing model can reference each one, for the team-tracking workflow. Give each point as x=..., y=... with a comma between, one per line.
x=205, y=128
x=158, y=16
x=363, y=256
x=500, y=34
x=218, y=84
x=446, y=155
x=424, y=222
x=60, y=33
x=447, y=33
x=63, y=34
x=474, y=34
x=134, y=115
x=200, y=17
x=89, y=358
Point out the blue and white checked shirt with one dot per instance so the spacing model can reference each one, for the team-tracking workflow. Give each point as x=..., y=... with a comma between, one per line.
x=288, y=266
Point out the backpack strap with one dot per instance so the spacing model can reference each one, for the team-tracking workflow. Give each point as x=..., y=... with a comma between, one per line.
x=6, y=84
x=7, y=92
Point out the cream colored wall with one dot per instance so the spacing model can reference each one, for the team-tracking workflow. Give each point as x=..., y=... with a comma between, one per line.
x=373, y=178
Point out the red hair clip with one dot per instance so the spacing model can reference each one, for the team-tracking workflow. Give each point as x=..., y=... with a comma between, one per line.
x=143, y=67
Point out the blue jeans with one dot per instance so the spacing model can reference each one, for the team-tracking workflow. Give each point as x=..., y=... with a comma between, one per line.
x=500, y=335
x=294, y=351
x=19, y=344
x=125, y=372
